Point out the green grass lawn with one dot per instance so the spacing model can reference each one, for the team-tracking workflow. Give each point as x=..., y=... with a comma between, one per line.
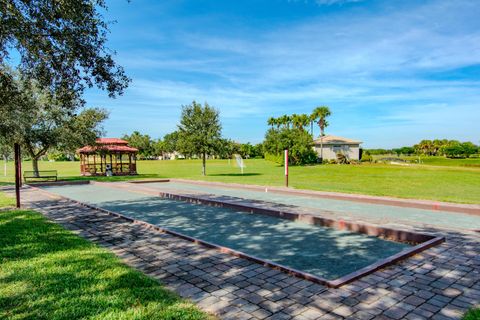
x=47, y=272
x=444, y=183
x=473, y=314
x=437, y=160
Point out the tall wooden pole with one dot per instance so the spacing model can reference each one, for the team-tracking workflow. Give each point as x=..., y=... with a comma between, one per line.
x=18, y=173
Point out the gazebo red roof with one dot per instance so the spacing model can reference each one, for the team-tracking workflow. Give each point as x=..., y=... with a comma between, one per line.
x=108, y=145
x=110, y=141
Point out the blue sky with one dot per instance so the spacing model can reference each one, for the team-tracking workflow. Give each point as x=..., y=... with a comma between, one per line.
x=392, y=72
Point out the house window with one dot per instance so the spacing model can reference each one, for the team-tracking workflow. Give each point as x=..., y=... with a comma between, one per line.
x=337, y=148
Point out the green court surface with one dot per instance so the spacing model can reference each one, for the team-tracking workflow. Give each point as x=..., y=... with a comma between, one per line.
x=340, y=208
x=321, y=251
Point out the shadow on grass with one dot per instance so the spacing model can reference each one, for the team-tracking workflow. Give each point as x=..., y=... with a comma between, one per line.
x=235, y=174
x=49, y=273
x=113, y=178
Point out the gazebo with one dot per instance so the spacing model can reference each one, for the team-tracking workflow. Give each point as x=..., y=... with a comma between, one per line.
x=111, y=153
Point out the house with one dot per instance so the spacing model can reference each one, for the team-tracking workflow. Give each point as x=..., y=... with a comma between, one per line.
x=327, y=147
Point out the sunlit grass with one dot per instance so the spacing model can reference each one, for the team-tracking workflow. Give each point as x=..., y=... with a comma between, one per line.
x=443, y=183
x=48, y=272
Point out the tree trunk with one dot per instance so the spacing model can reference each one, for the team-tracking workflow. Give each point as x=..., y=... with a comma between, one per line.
x=204, y=164
x=5, y=159
x=35, y=166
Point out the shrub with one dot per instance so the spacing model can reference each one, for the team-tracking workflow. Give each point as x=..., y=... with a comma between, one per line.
x=298, y=142
x=367, y=158
x=342, y=159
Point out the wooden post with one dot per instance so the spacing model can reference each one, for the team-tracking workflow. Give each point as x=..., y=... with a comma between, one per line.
x=18, y=173
x=286, y=168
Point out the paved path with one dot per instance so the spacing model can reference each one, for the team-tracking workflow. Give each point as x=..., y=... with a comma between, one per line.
x=441, y=283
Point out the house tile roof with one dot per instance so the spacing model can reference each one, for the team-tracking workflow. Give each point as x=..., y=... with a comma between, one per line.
x=330, y=139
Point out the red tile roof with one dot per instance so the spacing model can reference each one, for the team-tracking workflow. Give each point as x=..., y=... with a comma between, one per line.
x=108, y=145
x=111, y=141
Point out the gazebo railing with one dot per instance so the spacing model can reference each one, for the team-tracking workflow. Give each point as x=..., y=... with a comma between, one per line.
x=99, y=169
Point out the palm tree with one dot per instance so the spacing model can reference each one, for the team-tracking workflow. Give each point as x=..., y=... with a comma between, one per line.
x=295, y=120
x=312, y=119
x=300, y=120
x=319, y=115
x=285, y=121
x=425, y=147
x=271, y=121
x=304, y=119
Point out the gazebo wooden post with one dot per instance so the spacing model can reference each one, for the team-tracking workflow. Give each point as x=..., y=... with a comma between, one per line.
x=95, y=164
x=111, y=162
x=130, y=162
x=121, y=164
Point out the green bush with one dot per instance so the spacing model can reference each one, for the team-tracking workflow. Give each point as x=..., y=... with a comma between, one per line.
x=367, y=158
x=278, y=158
x=298, y=142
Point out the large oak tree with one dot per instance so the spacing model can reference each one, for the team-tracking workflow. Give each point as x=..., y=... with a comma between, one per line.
x=61, y=44
x=37, y=120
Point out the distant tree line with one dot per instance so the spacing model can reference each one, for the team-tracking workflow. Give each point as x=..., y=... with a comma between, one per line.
x=437, y=147
x=150, y=148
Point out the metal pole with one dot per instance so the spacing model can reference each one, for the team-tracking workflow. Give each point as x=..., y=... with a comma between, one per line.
x=18, y=173
x=286, y=168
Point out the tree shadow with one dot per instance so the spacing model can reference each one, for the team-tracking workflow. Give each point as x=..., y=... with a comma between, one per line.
x=111, y=179
x=235, y=174
x=52, y=273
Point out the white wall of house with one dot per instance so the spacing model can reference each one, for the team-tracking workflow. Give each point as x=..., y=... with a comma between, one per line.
x=352, y=151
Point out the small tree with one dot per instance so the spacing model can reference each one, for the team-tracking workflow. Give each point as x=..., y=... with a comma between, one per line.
x=170, y=141
x=142, y=142
x=298, y=142
x=200, y=131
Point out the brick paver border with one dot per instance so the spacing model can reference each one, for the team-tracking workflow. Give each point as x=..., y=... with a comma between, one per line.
x=440, y=283
x=422, y=241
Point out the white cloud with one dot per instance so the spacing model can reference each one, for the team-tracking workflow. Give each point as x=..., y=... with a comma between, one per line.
x=374, y=70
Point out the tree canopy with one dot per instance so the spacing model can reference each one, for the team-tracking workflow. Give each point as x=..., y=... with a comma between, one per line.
x=142, y=142
x=298, y=142
x=36, y=119
x=199, y=131
x=61, y=44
